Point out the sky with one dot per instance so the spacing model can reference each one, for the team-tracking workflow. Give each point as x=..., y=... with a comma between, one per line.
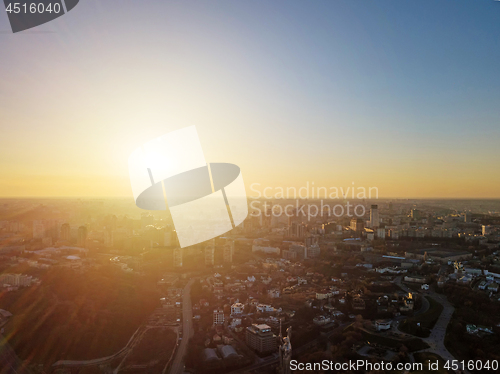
x=399, y=95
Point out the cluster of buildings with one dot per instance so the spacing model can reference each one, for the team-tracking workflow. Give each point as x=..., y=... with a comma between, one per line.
x=11, y=282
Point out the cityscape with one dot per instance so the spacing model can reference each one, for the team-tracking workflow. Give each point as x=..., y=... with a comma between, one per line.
x=94, y=286
x=249, y=187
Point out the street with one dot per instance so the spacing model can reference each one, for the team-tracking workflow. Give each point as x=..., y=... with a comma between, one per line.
x=187, y=328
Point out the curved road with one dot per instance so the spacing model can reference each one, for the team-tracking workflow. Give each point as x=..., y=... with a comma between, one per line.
x=438, y=333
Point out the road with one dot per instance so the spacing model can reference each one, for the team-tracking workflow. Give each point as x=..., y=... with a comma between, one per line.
x=438, y=333
x=436, y=339
x=187, y=328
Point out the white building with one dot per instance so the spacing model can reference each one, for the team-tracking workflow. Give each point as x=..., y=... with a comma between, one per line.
x=178, y=252
x=382, y=325
x=264, y=308
x=264, y=245
x=16, y=280
x=274, y=293
x=321, y=320
x=236, y=322
x=218, y=317
x=237, y=308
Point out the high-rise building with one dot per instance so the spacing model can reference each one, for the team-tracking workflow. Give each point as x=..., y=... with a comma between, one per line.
x=381, y=233
x=178, y=252
x=228, y=251
x=210, y=254
x=16, y=280
x=468, y=217
x=487, y=230
x=65, y=232
x=51, y=228
x=38, y=229
x=218, y=316
x=260, y=338
x=289, y=255
x=108, y=238
x=357, y=224
x=415, y=214
x=169, y=236
x=374, y=217
x=313, y=251
x=299, y=250
x=82, y=236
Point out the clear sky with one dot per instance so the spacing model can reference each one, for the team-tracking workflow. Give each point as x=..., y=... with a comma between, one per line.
x=401, y=95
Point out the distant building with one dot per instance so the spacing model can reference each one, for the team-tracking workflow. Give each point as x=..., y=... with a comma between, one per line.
x=289, y=255
x=218, y=317
x=383, y=324
x=237, y=308
x=374, y=217
x=313, y=251
x=416, y=279
x=209, y=255
x=408, y=303
x=358, y=303
x=228, y=354
x=263, y=245
x=38, y=229
x=415, y=214
x=321, y=320
x=228, y=252
x=487, y=230
x=381, y=233
x=65, y=232
x=297, y=230
x=265, y=308
x=178, y=253
x=299, y=250
x=438, y=255
x=82, y=236
x=468, y=217
x=169, y=236
x=274, y=293
x=260, y=338
x=146, y=220
x=357, y=224
x=16, y=280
